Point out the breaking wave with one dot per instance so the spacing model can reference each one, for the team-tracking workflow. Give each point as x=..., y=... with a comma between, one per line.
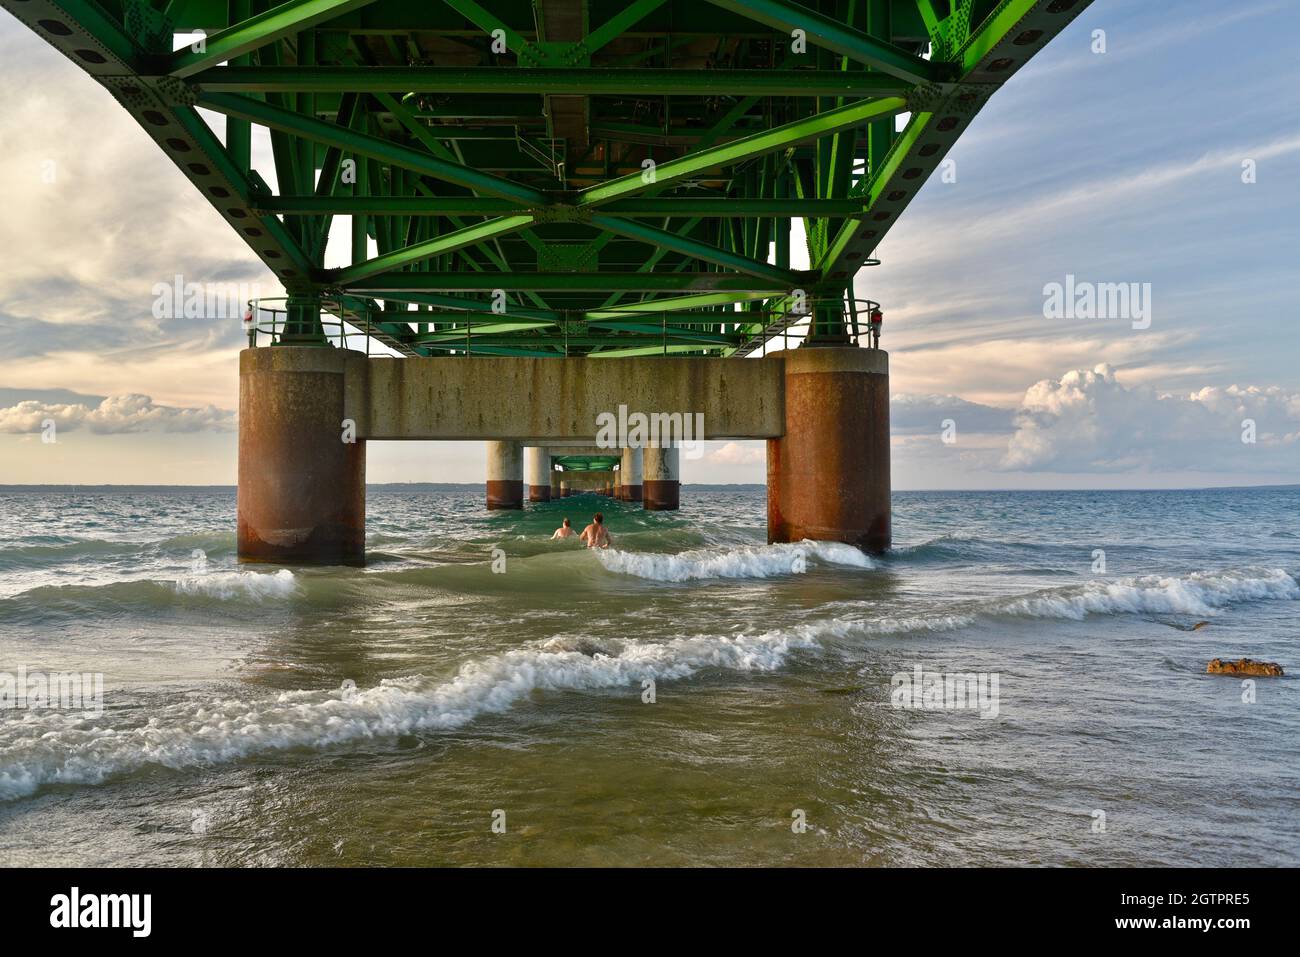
x=255, y=585
x=60, y=601
x=41, y=749
x=38, y=749
x=754, y=561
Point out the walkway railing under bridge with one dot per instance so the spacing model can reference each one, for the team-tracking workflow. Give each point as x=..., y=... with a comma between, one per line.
x=463, y=332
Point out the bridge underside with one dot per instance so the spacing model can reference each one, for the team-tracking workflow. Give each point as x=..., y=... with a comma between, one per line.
x=519, y=180
x=556, y=177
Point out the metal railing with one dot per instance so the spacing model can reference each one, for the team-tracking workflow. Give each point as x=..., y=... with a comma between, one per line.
x=734, y=330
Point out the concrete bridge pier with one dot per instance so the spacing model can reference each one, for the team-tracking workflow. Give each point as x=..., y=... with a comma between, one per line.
x=828, y=472
x=538, y=463
x=565, y=489
x=556, y=491
x=302, y=485
x=505, y=475
x=630, y=471
x=662, y=483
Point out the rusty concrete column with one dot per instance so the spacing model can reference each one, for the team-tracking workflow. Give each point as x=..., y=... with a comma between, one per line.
x=556, y=491
x=505, y=475
x=662, y=485
x=828, y=475
x=538, y=462
x=565, y=489
x=630, y=470
x=302, y=488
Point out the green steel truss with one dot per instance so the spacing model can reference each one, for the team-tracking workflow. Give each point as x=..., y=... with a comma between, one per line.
x=558, y=177
x=585, y=463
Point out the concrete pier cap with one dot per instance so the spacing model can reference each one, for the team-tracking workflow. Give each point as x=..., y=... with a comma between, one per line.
x=828, y=473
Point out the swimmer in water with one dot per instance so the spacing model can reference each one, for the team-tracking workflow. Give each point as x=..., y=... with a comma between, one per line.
x=595, y=535
x=564, y=531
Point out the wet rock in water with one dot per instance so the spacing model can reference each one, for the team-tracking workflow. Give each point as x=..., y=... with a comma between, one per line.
x=1244, y=666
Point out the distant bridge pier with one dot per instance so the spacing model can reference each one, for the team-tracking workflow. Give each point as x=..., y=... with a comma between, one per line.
x=505, y=475
x=662, y=483
x=556, y=490
x=630, y=480
x=538, y=463
x=302, y=483
x=828, y=472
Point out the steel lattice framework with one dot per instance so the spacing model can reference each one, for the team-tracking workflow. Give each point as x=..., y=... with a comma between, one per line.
x=568, y=177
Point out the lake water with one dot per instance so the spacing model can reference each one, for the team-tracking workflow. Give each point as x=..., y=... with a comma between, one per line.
x=476, y=673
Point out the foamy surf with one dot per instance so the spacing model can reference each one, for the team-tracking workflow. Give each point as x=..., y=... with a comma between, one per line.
x=258, y=586
x=1203, y=594
x=753, y=561
x=1200, y=593
x=43, y=749
x=39, y=749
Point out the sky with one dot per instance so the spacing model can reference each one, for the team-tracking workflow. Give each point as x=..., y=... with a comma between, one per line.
x=1160, y=156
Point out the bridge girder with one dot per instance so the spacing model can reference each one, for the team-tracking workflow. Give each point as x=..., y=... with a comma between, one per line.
x=564, y=177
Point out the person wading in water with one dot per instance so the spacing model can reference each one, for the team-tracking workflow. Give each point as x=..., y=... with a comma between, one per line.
x=595, y=535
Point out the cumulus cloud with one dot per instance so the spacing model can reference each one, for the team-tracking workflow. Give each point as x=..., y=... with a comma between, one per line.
x=733, y=453
x=1089, y=421
x=114, y=414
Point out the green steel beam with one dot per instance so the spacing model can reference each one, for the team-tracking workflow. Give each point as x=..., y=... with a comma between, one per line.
x=642, y=82
x=487, y=21
x=221, y=158
x=570, y=282
x=453, y=336
x=626, y=352
x=448, y=242
x=647, y=207
x=815, y=141
x=769, y=141
x=284, y=20
x=695, y=249
x=364, y=144
x=671, y=331
x=100, y=24
x=835, y=35
x=732, y=207
x=677, y=303
x=995, y=29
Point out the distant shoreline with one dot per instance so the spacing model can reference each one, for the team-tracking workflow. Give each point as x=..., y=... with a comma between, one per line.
x=445, y=486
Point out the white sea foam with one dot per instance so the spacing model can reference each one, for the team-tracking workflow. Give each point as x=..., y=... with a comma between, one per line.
x=1204, y=594
x=1201, y=593
x=255, y=585
x=40, y=749
x=751, y=561
x=43, y=748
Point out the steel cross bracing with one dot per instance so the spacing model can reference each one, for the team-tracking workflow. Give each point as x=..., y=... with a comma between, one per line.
x=558, y=177
x=586, y=463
